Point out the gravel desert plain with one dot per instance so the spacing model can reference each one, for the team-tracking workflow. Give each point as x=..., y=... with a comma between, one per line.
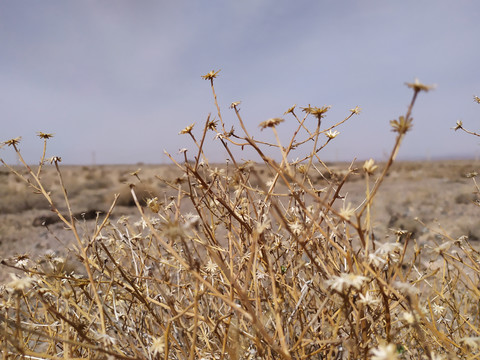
x=425, y=198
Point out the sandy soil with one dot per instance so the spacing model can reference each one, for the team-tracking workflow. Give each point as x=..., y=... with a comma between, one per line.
x=437, y=193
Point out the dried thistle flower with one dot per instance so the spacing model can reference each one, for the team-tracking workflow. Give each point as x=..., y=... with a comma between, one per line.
x=376, y=259
x=123, y=220
x=387, y=248
x=22, y=260
x=13, y=142
x=332, y=134
x=369, y=167
x=438, y=309
x=417, y=86
x=211, y=75
x=401, y=125
x=187, y=130
x=296, y=227
x=346, y=281
x=43, y=135
x=262, y=226
x=476, y=99
x=54, y=159
x=19, y=285
x=385, y=352
x=302, y=169
x=368, y=299
x=319, y=113
x=158, y=346
x=211, y=267
x=356, y=110
x=212, y=125
x=135, y=173
x=214, y=173
x=290, y=110
x=347, y=212
x=458, y=125
x=408, y=317
x=153, y=205
x=270, y=123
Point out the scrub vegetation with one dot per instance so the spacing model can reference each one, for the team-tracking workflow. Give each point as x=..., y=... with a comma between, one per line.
x=243, y=261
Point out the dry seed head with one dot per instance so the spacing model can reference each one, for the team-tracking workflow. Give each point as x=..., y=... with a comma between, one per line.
x=409, y=317
x=332, y=134
x=401, y=125
x=211, y=267
x=369, y=167
x=385, y=352
x=368, y=299
x=270, y=123
x=216, y=172
x=187, y=130
x=296, y=227
x=290, y=110
x=476, y=99
x=212, y=125
x=347, y=212
x=319, y=113
x=153, y=205
x=136, y=172
x=123, y=220
x=438, y=309
x=54, y=159
x=387, y=248
x=234, y=104
x=302, y=169
x=346, y=281
x=399, y=232
x=158, y=346
x=211, y=75
x=13, y=142
x=356, y=110
x=458, y=125
x=43, y=135
x=376, y=260
x=417, y=86
x=22, y=260
x=262, y=226
x=19, y=285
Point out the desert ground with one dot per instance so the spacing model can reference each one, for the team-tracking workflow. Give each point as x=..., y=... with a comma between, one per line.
x=425, y=198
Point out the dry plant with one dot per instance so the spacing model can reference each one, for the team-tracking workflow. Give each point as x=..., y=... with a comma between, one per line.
x=473, y=174
x=276, y=269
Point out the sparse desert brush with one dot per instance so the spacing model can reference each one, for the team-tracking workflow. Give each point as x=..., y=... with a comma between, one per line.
x=276, y=269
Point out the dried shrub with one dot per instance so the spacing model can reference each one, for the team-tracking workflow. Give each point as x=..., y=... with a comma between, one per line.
x=275, y=268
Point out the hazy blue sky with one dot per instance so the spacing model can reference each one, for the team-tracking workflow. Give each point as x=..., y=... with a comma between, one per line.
x=120, y=78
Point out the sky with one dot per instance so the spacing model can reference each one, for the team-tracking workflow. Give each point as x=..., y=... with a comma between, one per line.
x=116, y=80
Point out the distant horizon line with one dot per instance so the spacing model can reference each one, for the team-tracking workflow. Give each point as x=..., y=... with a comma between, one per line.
x=400, y=159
